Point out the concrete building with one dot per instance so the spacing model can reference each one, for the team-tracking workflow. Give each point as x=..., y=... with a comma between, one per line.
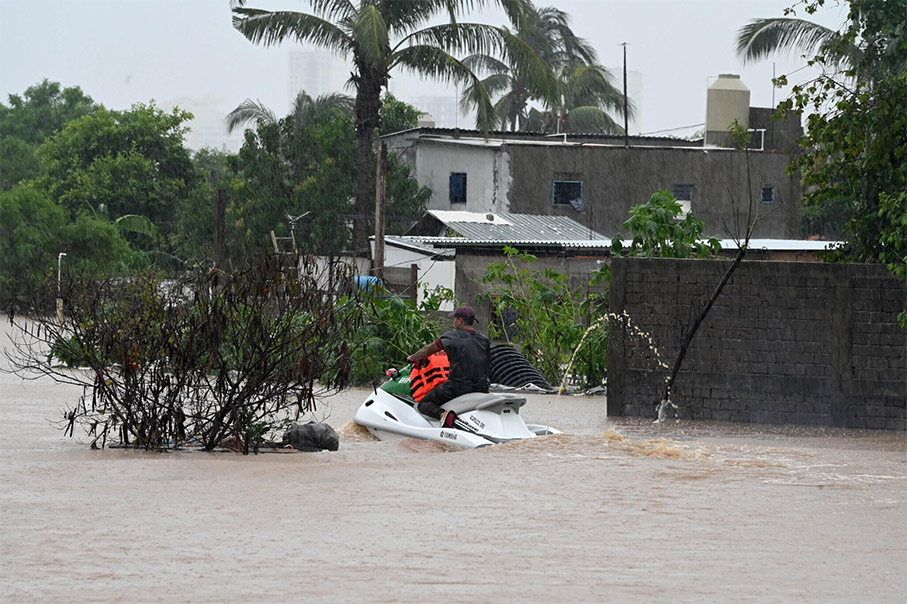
x=596, y=179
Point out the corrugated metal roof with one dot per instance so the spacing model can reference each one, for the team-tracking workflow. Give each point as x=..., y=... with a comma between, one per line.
x=457, y=242
x=503, y=226
x=774, y=245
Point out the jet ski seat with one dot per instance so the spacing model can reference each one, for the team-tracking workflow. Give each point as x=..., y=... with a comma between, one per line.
x=483, y=400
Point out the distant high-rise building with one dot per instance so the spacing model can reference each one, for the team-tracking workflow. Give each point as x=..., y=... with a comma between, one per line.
x=316, y=72
x=208, y=128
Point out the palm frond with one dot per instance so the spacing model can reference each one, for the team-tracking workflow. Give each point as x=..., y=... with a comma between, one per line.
x=761, y=38
x=370, y=33
x=435, y=62
x=248, y=112
x=263, y=27
x=457, y=38
x=591, y=85
x=530, y=68
x=493, y=85
x=134, y=223
x=552, y=31
x=588, y=120
x=307, y=110
x=333, y=10
x=481, y=63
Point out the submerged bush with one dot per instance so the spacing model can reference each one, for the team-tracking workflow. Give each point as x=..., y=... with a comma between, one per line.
x=206, y=357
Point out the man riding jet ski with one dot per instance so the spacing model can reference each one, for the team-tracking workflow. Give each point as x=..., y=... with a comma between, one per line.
x=469, y=355
x=445, y=396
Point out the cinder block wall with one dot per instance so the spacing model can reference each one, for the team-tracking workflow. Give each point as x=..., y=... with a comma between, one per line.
x=786, y=343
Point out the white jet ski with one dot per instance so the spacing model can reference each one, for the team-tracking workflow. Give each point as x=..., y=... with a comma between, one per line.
x=389, y=413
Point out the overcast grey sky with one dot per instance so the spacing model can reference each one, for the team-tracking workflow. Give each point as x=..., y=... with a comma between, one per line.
x=122, y=52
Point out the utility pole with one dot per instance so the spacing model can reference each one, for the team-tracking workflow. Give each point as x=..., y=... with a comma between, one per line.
x=59, y=285
x=380, y=208
x=220, y=228
x=626, y=119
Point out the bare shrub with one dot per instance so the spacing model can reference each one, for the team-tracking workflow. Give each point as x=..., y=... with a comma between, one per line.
x=207, y=358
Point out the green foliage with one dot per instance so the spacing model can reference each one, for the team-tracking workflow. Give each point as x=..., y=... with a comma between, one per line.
x=282, y=170
x=854, y=155
x=380, y=38
x=556, y=327
x=659, y=231
x=396, y=115
x=130, y=162
x=34, y=230
x=17, y=161
x=43, y=110
x=393, y=329
x=286, y=170
x=212, y=163
x=29, y=120
x=523, y=77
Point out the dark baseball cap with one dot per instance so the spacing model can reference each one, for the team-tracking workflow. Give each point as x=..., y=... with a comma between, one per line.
x=464, y=312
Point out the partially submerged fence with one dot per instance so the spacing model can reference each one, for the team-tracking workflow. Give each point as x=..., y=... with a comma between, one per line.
x=786, y=342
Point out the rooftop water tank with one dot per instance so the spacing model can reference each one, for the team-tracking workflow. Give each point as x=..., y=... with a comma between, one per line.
x=728, y=99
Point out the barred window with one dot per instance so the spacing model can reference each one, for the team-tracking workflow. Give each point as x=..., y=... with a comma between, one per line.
x=567, y=193
x=458, y=187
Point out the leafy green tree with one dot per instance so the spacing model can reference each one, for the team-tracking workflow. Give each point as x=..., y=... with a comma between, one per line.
x=857, y=117
x=660, y=229
x=29, y=120
x=380, y=37
x=284, y=171
x=34, y=230
x=17, y=161
x=114, y=163
x=396, y=115
x=547, y=31
x=854, y=154
x=557, y=327
x=213, y=163
x=392, y=329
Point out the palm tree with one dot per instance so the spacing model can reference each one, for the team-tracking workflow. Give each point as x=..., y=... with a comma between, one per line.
x=379, y=36
x=582, y=103
x=761, y=38
x=547, y=32
x=856, y=57
x=305, y=110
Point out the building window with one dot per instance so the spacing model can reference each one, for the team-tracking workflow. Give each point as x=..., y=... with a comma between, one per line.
x=458, y=187
x=684, y=196
x=768, y=194
x=567, y=193
x=682, y=192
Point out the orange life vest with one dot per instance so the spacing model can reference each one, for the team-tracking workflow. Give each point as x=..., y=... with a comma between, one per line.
x=423, y=379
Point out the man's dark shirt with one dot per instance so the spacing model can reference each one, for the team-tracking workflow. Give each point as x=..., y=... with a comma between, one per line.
x=470, y=357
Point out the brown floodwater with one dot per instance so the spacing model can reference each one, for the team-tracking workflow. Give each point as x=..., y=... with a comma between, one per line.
x=613, y=510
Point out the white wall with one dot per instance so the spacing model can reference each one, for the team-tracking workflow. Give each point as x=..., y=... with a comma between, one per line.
x=432, y=273
x=435, y=162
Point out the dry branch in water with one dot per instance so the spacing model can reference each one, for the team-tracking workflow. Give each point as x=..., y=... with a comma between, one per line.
x=199, y=359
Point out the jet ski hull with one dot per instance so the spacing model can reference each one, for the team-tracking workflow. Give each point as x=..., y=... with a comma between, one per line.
x=482, y=419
